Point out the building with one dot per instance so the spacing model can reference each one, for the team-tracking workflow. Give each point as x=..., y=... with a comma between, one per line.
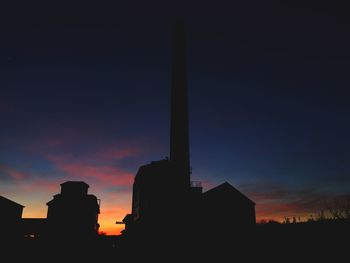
x=10, y=219
x=73, y=213
x=228, y=207
x=165, y=201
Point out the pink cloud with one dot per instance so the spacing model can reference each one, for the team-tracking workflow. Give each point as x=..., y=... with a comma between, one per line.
x=114, y=153
x=42, y=184
x=99, y=165
x=102, y=154
x=13, y=173
x=105, y=174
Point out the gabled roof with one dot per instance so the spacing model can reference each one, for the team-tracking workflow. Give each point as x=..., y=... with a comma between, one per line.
x=8, y=201
x=227, y=187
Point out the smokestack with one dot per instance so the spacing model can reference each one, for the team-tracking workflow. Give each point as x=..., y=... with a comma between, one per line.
x=179, y=132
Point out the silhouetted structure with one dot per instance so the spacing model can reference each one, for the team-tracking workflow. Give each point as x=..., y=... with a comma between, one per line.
x=73, y=213
x=168, y=207
x=164, y=200
x=179, y=131
x=10, y=219
x=227, y=206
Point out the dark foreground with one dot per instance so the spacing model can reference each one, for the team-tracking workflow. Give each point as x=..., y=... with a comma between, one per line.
x=325, y=241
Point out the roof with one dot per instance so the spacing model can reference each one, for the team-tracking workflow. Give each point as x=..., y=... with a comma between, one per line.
x=8, y=201
x=75, y=183
x=154, y=169
x=227, y=187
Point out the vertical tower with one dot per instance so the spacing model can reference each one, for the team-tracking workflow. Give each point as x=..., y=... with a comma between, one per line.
x=179, y=132
x=161, y=189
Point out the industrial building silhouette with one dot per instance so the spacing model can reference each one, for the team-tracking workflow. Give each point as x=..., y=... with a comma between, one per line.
x=171, y=218
x=165, y=202
x=73, y=212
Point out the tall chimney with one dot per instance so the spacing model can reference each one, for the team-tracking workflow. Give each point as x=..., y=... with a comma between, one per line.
x=179, y=134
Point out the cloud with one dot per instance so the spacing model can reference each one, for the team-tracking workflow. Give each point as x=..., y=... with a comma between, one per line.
x=276, y=201
x=105, y=174
x=13, y=173
x=41, y=184
x=98, y=167
x=113, y=153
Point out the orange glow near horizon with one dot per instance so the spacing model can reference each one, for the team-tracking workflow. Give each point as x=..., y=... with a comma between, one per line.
x=115, y=206
x=111, y=230
x=107, y=219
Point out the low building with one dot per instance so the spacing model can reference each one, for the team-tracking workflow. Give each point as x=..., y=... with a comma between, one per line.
x=73, y=213
x=228, y=207
x=10, y=219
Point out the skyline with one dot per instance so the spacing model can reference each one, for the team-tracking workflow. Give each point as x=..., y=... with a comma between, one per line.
x=271, y=123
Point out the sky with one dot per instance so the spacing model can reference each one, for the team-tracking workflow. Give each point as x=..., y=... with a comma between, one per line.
x=85, y=95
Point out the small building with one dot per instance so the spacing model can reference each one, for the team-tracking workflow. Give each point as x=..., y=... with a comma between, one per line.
x=228, y=207
x=10, y=219
x=73, y=213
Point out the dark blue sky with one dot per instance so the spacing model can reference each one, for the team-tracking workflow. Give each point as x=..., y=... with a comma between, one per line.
x=268, y=94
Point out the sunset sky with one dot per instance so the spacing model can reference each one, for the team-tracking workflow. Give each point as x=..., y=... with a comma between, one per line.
x=85, y=95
